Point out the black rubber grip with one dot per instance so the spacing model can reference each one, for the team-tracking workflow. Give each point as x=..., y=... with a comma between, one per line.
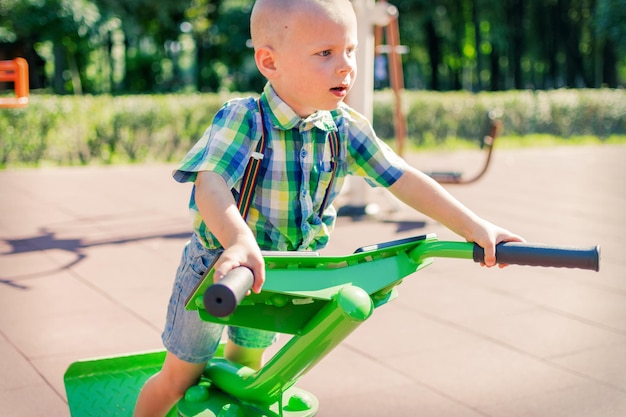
x=517, y=253
x=223, y=297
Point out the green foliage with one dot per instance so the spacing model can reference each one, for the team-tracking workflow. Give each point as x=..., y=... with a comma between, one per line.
x=498, y=45
x=47, y=19
x=143, y=46
x=610, y=18
x=73, y=130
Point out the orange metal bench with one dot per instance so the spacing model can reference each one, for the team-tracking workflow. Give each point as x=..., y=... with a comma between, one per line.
x=15, y=71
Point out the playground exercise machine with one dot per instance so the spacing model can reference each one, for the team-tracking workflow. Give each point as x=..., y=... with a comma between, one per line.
x=319, y=300
x=15, y=71
x=486, y=145
x=387, y=41
x=378, y=33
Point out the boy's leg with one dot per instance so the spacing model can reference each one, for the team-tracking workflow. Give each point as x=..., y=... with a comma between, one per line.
x=246, y=346
x=189, y=341
x=250, y=357
x=163, y=390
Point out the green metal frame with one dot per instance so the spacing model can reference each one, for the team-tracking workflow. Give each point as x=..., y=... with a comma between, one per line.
x=318, y=309
x=318, y=300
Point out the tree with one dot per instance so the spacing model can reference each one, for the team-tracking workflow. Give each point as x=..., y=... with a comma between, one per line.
x=147, y=27
x=610, y=27
x=142, y=46
x=67, y=24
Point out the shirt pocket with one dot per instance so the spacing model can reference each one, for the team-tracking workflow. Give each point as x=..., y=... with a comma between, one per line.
x=323, y=183
x=326, y=169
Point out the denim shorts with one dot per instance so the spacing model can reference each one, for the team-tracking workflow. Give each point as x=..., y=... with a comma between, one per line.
x=186, y=335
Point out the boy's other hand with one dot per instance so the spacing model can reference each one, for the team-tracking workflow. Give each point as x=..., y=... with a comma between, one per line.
x=487, y=236
x=245, y=254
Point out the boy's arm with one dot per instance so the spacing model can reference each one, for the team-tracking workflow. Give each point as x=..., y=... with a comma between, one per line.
x=221, y=215
x=425, y=195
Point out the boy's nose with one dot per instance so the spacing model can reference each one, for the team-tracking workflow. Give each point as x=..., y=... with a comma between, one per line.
x=347, y=64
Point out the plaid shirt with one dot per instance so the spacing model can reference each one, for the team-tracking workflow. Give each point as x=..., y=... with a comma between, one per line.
x=295, y=171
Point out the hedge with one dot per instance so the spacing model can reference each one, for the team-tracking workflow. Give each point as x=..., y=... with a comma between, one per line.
x=563, y=113
x=76, y=130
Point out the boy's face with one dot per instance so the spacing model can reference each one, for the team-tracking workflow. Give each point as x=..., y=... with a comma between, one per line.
x=315, y=63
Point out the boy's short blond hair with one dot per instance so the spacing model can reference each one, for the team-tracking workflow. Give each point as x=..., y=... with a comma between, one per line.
x=270, y=19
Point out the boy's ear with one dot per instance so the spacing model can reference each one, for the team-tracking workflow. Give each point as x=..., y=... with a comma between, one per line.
x=264, y=57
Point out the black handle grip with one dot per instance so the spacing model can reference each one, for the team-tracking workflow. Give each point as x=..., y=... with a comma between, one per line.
x=223, y=297
x=517, y=253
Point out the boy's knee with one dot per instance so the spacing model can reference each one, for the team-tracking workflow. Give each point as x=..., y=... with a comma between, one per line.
x=177, y=375
x=250, y=357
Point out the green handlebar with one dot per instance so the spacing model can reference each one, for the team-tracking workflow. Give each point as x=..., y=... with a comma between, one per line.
x=320, y=300
x=397, y=259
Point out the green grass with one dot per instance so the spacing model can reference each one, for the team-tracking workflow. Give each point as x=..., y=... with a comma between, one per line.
x=515, y=142
x=543, y=140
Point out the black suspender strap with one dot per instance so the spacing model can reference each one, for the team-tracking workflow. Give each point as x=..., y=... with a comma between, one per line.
x=250, y=176
x=334, y=152
x=249, y=180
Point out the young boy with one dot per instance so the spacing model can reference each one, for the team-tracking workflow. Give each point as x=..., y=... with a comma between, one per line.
x=306, y=50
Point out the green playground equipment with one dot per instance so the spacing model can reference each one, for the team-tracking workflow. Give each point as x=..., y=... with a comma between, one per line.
x=318, y=300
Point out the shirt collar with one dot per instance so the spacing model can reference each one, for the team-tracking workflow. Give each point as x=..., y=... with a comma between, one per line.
x=283, y=116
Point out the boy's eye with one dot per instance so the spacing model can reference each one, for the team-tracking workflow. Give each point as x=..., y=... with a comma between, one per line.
x=324, y=53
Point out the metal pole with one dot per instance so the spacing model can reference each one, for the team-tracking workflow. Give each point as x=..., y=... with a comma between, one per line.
x=361, y=97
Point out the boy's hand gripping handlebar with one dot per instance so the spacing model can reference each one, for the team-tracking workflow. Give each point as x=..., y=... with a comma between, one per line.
x=222, y=298
x=517, y=253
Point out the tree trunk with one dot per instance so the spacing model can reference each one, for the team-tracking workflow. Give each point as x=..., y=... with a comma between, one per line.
x=517, y=44
x=434, y=54
x=58, y=81
x=477, y=41
x=609, y=65
x=494, y=60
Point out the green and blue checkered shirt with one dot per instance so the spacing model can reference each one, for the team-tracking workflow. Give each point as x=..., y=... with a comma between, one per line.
x=295, y=171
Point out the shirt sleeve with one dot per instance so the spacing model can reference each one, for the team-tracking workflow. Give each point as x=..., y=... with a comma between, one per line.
x=225, y=146
x=367, y=155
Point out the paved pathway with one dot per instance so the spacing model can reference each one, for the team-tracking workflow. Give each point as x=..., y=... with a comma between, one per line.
x=87, y=257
